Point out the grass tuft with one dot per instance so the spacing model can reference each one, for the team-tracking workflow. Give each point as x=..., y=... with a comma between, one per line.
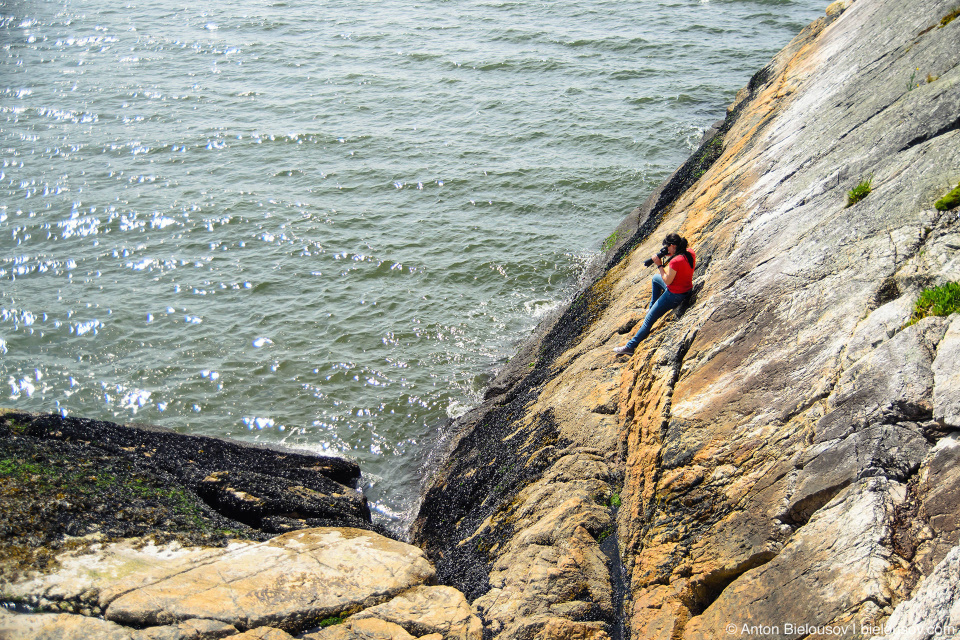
x=938, y=301
x=332, y=620
x=859, y=192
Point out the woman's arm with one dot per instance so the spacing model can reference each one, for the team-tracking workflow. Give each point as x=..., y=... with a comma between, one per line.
x=668, y=275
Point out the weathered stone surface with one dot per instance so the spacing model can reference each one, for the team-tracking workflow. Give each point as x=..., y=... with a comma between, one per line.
x=826, y=468
x=553, y=566
x=563, y=629
x=882, y=324
x=196, y=629
x=424, y=610
x=264, y=633
x=939, y=493
x=933, y=611
x=62, y=626
x=894, y=381
x=93, y=577
x=834, y=565
x=946, y=377
x=289, y=582
x=361, y=629
x=66, y=626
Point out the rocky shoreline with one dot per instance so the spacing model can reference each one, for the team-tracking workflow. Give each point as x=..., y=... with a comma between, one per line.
x=778, y=461
x=69, y=479
x=133, y=532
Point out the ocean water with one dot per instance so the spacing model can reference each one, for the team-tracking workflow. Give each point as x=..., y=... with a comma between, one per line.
x=326, y=225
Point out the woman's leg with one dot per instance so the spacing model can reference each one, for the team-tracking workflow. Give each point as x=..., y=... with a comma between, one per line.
x=663, y=303
x=657, y=286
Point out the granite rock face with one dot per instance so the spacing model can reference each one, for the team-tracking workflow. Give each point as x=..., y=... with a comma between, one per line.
x=781, y=455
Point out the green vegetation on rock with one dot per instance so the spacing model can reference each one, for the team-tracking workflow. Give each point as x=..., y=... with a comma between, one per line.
x=859, y=192
x=610, y=241
x=709, y=155
x=949, y=201
x=938, y=301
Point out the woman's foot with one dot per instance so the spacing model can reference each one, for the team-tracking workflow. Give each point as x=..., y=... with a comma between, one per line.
x=624, y=349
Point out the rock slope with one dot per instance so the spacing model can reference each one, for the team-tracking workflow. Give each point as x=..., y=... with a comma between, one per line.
x=781, y=458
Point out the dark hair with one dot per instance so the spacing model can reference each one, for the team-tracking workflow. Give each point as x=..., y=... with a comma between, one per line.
x=681, y=244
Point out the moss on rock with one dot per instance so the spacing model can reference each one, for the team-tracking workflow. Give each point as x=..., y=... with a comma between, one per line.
x=949, y=201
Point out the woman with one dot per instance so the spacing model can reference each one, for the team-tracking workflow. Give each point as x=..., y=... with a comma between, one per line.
x=671, y=286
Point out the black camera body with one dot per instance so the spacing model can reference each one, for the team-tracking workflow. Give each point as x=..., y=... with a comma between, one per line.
x=660, y=254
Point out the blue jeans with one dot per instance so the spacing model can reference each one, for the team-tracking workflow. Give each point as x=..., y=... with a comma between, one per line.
x=661, y=301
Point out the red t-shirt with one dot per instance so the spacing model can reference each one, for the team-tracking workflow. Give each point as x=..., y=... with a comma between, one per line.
x=683, y=281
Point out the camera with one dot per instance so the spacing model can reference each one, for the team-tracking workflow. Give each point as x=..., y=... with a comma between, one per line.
x=660, y=254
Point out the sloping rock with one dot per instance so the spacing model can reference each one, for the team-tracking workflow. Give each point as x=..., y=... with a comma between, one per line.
x=290, y=582
x=788, y=409
x=894, y=381
x=890, y=451
x=938, y=491
x=552, y=566
x=831, y=571
x=946, y=378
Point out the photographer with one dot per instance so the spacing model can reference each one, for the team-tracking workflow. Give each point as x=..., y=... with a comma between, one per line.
x=671, y=285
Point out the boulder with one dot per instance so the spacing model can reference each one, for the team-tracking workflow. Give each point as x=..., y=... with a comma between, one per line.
x=290, y=582
x=92, y=577
x=361, y=629
x=425, y=610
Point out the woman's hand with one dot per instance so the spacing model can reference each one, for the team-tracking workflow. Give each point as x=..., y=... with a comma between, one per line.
x=657, y=261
